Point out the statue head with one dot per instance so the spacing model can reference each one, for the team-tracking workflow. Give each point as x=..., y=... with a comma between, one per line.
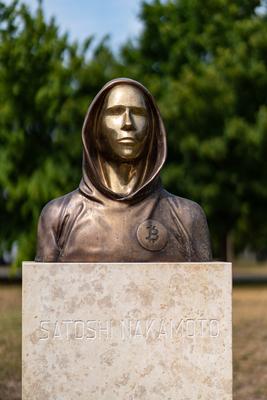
x=123, y=126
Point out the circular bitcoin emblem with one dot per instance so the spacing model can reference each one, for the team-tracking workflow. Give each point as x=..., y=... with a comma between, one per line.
x=152, y=235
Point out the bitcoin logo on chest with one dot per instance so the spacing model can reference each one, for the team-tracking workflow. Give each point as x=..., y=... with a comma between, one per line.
x=152, y=235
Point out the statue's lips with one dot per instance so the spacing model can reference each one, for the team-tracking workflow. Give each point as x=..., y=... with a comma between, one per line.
x=127, y=140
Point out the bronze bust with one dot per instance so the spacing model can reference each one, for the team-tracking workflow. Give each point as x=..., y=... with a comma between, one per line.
x=120, y=212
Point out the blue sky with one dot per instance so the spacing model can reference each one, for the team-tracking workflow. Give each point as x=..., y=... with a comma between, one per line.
x=82, y=18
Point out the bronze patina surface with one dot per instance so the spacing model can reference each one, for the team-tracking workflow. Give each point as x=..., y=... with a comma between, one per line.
x=120, y=212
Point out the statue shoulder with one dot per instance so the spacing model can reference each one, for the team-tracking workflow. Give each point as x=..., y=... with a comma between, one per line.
x=193, y=210
x=189, y=211
x=193, y=220
x=54, y=211
x=50, y=225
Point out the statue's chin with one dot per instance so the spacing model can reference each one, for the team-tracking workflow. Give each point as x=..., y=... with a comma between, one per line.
x=127, y=157
x=123, y=156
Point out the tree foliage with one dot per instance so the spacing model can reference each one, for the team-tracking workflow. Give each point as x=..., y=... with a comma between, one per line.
x=207, y=66
x=46, y=84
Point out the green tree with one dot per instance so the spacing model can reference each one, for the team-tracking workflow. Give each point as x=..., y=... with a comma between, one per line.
x=207, y=66
x=46, y=84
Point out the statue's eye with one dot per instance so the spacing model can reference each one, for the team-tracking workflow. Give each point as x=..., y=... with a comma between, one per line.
x=139, y=111
x=115, y=111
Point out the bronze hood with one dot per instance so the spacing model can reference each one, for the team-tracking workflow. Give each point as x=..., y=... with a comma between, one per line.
x=91, y=185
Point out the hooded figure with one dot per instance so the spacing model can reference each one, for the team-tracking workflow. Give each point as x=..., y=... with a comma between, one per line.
x=120, y=212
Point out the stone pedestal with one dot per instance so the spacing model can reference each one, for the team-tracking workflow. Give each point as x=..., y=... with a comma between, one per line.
x=127, y=331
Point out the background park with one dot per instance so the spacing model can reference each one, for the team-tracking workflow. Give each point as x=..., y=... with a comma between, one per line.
x=206, y=66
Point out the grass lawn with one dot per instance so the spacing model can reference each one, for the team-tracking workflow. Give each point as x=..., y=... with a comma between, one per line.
x=10, y=342
x=250, y=268
x=249, y=339
x=250, y=343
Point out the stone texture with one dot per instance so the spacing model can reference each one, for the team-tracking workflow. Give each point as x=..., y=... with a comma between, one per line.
x=127, y=331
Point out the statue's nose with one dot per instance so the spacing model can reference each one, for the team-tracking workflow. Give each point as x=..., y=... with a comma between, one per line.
x=128, y=123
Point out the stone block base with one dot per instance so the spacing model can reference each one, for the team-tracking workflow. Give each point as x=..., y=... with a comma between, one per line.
x=127, y=331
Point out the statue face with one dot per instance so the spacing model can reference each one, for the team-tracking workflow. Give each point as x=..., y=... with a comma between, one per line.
x=124, y=123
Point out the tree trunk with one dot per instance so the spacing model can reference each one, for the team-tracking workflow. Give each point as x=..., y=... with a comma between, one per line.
x=227, y=247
